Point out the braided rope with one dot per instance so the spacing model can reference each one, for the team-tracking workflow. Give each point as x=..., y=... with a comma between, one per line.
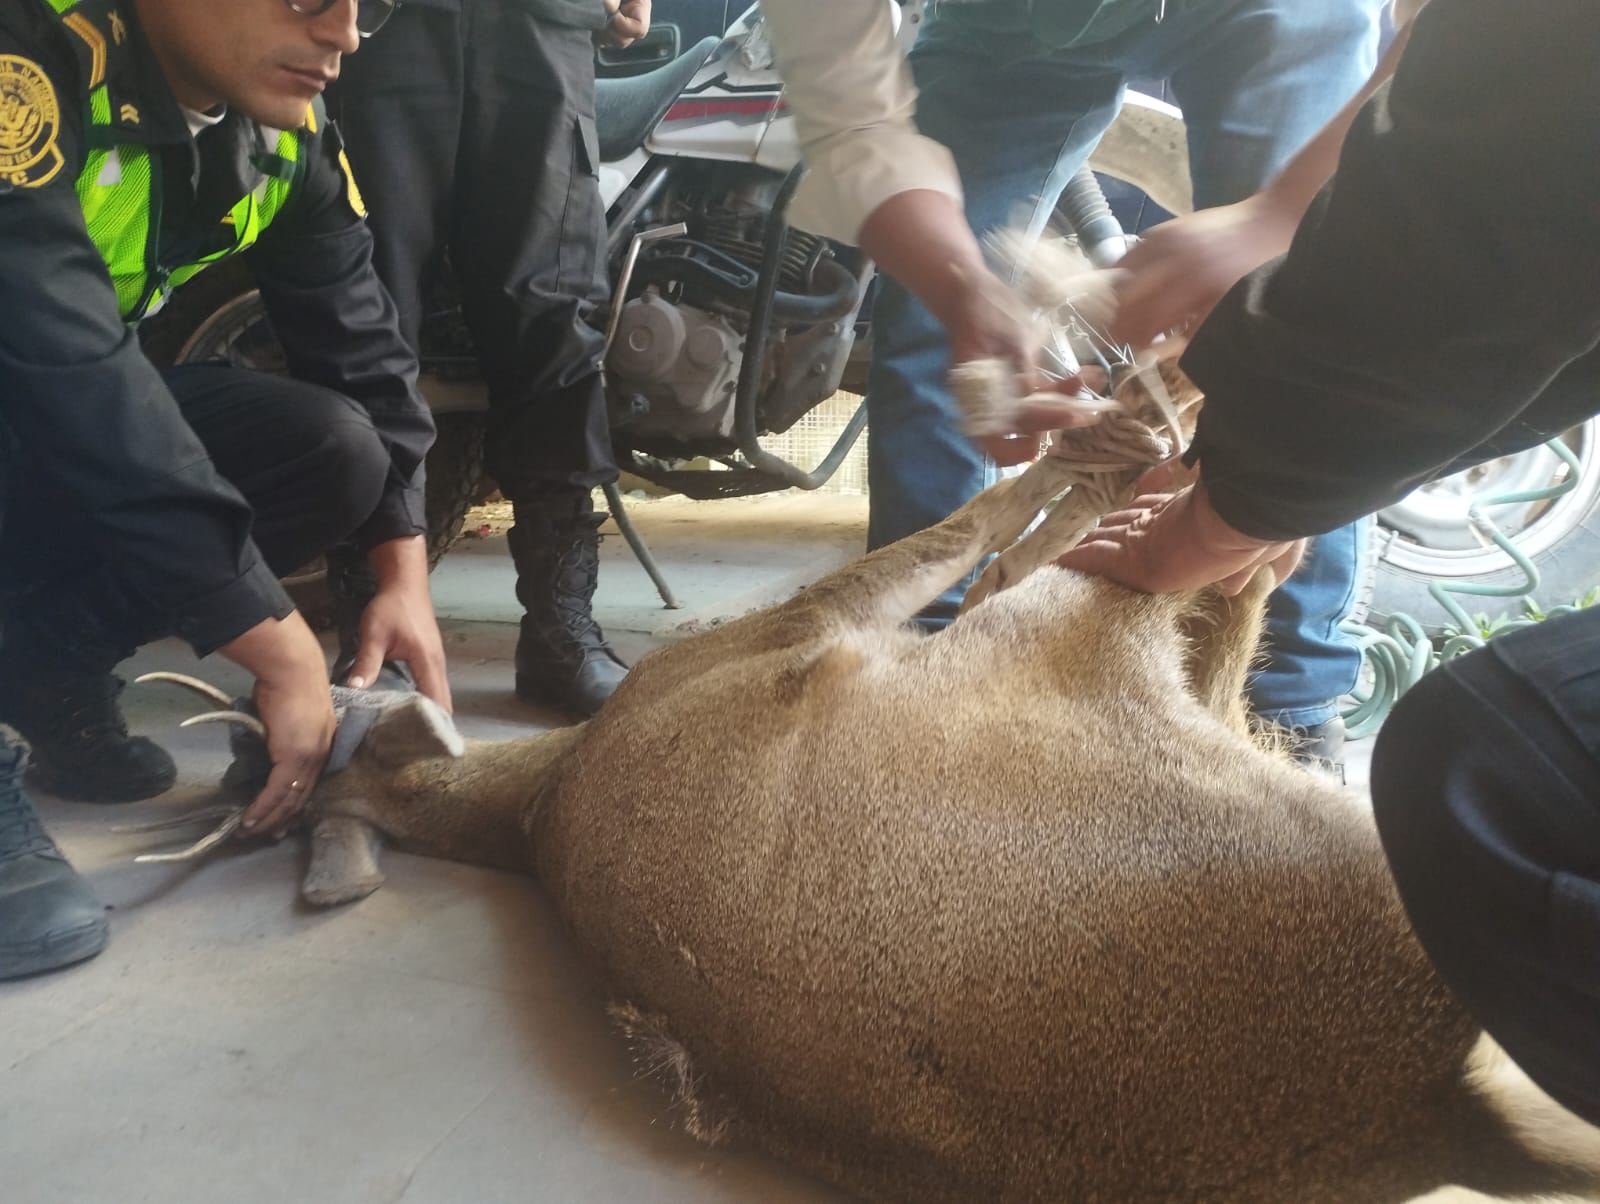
x=1099, y=466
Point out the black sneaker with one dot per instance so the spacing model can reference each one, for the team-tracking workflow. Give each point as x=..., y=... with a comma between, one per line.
x=49, y=917
x=81, y=747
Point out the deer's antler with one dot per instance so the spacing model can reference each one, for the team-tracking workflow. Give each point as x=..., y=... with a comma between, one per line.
x=231, y=816
x=231, y=819
x=203, y=688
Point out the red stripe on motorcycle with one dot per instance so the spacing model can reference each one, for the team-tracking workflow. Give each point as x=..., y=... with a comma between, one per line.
x=688, y=110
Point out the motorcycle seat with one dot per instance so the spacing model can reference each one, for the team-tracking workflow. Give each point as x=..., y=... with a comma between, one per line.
x=626, y=110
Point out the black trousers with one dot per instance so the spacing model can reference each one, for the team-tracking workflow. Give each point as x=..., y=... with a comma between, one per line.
x=472, y=132
x=1486, y=784
x=305, y=458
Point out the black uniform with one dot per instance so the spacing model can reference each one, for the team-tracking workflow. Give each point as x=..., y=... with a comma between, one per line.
x=471, y=125
x=140, y=503
x=1441, y=306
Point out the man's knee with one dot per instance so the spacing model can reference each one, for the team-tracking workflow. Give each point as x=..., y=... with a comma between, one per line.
x=345, y=466
x=322, y=478
x=1413, y=757
x=1484, y=796
x=1291, y=30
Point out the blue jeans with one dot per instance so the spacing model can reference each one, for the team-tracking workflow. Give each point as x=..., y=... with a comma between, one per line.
x=1486, y=789
x=1255, y=79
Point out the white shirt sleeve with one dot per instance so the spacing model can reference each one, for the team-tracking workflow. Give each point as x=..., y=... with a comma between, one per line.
x=850, y=90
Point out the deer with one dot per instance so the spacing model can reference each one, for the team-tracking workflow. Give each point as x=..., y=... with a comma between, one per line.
x=1018, y=911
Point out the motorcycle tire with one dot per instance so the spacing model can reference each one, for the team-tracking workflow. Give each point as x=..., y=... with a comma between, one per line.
x=219, y=316
x=1426, y=537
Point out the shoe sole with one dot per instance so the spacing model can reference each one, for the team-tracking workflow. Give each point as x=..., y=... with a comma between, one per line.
x=120, y=791
x=536, y=692
x=55, y=952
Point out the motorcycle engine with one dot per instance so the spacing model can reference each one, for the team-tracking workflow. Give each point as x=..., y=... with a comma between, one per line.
x=682, y=360
x=674, y=364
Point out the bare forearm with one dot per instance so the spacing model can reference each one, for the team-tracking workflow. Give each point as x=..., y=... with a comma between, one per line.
x=400, y=563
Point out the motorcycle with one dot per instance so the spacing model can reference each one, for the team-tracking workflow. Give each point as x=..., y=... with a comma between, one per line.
x=727, y=325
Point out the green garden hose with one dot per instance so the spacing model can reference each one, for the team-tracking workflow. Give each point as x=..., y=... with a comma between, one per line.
x=1397, y=657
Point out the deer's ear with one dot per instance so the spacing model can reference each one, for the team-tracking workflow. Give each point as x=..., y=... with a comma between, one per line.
x=411, y=729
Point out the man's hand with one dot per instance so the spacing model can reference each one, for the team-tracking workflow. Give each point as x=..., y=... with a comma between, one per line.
x=922, y=239
x=984, y=320
x=630, y=21
x=293, y=701
x=1180, y=270
x=1176, y=541
x=399, y=623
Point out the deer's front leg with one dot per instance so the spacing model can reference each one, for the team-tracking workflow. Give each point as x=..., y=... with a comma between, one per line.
x=892, y=584
x=1062, y=530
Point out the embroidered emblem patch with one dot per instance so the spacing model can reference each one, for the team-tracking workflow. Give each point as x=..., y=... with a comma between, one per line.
x=30, y=121
x=352, y=193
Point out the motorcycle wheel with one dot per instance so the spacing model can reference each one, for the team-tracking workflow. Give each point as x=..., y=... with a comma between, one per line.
x=219, y=316
x=1427, y=537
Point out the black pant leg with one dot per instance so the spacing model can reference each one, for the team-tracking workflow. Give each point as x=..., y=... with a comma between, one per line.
x=527, y=243
x=398, y=105
x=1486, y=787
x=306, y=458
x=51, y=569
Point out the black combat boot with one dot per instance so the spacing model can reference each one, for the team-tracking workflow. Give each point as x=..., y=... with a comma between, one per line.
x=1319, y=747
x=48, y=915
x=59, y=692
x=563, y=659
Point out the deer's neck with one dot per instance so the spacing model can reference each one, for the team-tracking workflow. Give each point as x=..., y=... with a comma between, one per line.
x=478, y=807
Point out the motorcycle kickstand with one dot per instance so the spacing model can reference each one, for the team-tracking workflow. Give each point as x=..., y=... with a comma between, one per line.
x=641, y=550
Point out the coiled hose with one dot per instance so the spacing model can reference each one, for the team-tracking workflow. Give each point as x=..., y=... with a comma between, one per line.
x=1397, y=657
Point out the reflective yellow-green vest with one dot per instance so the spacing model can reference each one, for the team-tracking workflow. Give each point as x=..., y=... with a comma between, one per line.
x=120, y=184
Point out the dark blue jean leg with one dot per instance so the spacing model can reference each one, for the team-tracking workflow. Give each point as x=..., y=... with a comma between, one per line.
x=1013, y=160
x=1310, y=662
x=1256, y=81
x=1486, y=788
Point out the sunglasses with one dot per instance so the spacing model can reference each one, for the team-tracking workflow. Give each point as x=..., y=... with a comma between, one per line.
x=370, y=14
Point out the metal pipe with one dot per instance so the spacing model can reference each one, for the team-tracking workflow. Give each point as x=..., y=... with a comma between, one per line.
x=619, y=295
x=640, y=549
x=648, y=191
x=619, y=298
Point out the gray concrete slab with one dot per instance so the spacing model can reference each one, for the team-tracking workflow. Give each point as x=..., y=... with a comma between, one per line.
x=437, y=1043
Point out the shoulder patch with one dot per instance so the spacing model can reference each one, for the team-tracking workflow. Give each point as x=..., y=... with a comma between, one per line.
x=30, y=121
x=352, y=193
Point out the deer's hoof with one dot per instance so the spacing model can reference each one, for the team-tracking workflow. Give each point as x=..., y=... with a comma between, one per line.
x=344, y=862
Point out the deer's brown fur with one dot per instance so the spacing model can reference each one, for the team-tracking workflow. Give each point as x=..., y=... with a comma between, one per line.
x=1013, y=913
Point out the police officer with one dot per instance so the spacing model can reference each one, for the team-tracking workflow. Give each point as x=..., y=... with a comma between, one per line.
x=471, y=124
x=139, y=141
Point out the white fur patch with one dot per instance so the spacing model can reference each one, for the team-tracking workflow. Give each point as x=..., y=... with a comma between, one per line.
x=1465, y=1195
x=442, y=727
x=1543, y=1126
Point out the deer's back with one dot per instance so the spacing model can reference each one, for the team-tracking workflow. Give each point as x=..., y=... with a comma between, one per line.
x=939, y=931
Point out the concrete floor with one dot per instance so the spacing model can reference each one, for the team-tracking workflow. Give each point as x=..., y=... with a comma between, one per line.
x=437, y=1043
